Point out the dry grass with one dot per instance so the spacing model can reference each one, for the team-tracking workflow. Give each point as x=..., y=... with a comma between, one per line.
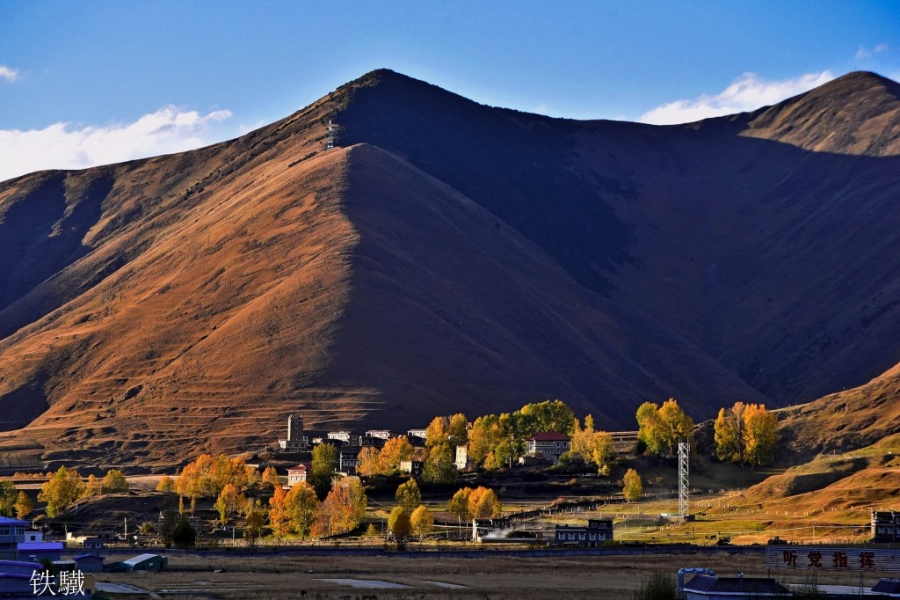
x=603, y=578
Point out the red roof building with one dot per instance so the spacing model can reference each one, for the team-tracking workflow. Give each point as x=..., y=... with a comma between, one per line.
x=548, y=445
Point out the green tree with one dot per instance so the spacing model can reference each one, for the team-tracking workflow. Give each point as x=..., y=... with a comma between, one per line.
x=399, y=524
x=23, y=506
x=421, y=521
x=61, y=491
x=661, y=428
x=408, y=495
x=324, y=464
x=114, y=482
x=184, y=535
x=8, y=497
x=439, y=466
x=632, y=487
x=547, y=416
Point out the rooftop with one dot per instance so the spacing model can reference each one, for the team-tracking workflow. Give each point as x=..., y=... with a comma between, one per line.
x=747, y=586
x=139, y=559
x=549, y=437
x=6, y=521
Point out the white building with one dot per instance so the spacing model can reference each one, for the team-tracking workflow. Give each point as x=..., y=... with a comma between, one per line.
x=548, y=445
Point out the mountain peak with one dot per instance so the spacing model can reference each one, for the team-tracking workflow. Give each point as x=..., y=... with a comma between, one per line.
x=857, y=113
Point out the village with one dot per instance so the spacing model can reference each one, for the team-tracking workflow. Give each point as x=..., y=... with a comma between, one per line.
x=563, y=491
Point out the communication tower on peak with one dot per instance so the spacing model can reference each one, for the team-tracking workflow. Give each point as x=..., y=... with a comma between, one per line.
x=330, y=143
x=684, y=488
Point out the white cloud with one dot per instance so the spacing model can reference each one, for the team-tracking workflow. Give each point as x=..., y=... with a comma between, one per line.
x=541, y=109
x=747, y=92
x=864, y=52
x=8, y=73
x=61, y=146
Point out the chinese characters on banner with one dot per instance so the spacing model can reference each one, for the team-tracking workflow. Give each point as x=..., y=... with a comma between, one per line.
x=840, y=559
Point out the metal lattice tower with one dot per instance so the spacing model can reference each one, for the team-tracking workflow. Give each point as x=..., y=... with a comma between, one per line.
x=684, y=488
x=330, y=144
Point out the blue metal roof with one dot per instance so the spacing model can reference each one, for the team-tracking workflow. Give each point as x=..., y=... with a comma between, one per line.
x=6, y=521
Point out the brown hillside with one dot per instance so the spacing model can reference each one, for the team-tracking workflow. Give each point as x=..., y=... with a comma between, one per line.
x=449, y=256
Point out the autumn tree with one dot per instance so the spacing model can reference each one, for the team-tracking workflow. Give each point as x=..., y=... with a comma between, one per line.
x=395, y=450
x=483, y=504
x=661, y=428
x=61, y=491
x=8, y=496
x=459, y=505
x=344, y=507
x=760, y=434
x=166, y=484
x=729, y=434
x=632, y=488
x=546, y=416
x=421, y=521
x=229, y=501
x=437, y=431
x=439, y=466
x=270, y=478
x=369, y=461
x=279, y=516
x=93, y=487
x=114, y=482
x=483, y=438
x=593, y=447
x=324, y=464
x=408, y=495
x=302, y=506
x=458, y=430
x=254, y=527
x=399, y=523
x=23, y=506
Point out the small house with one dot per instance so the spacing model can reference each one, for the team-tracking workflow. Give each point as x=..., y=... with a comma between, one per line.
x=94, y=543
x=33, y=535
x=89, y=563
x=12, y=533
x=549, y=445
x=412, y=467
x=706, y=587
x=40, y=551
x=296, y=475
x=348, y=459
x=19, y=567
x=595, y=533
x=144, y=562
x=462, y=462
x=885, y=527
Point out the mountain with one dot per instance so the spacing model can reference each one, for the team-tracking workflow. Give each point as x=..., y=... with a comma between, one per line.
x=447, y=256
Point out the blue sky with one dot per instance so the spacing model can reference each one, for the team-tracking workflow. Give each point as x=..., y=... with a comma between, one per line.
x=83, y=83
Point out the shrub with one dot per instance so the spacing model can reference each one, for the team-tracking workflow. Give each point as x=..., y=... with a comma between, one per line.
x=658, y=586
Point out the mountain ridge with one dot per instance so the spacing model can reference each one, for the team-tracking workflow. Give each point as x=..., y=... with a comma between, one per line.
x=196, y=299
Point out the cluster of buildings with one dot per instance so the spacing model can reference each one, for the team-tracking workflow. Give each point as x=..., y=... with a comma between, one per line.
x=543, y=446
